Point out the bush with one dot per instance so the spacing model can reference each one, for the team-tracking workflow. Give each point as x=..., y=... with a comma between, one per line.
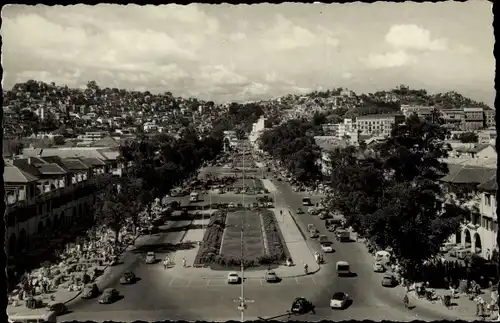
x=264, y=260
x=276, y=243
x=212, y=240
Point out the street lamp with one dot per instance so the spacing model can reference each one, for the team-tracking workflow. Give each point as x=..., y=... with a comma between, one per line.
x=242, y=301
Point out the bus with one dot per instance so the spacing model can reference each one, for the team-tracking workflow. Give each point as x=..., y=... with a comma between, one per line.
x=40, y=317
x=193, y=197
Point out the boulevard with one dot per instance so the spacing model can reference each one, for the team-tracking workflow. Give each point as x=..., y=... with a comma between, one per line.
x=160, y=295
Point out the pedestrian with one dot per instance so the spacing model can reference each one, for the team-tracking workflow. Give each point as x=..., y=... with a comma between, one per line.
x=406, y=301
x=184, y=262
x=481, y=307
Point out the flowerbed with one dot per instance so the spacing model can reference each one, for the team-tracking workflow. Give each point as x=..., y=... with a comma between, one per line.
x=277, y=249
x=212, y=239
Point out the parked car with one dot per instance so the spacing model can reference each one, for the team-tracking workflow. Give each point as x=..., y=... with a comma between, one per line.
x=378, y=267
x=339, y=300
x=233, y=278
x=90, y=291
x=153, y=229
x=389, y=281
x=323, y=238
x=271, y=276
x=110, y=295
x=128, y=277
x=299, y=211
x=58, y=308
x=150, y=257
x=327, y=247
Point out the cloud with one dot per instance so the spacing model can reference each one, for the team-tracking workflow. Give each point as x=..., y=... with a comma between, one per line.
x=285, y=35
x=390, y=59
x=413, y=37
x=346, y=75
x=239, y=36
x=224, y=53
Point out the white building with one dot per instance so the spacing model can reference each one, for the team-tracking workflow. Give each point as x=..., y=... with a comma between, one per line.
x=150, y=126
x=477, y=234
x=257, y=130
x=487, y=136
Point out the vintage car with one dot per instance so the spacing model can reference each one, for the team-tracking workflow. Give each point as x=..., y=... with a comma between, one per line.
x=110, y=295
x=271, y=277
x=300, y=305
x=128, y=277
x=90, y=291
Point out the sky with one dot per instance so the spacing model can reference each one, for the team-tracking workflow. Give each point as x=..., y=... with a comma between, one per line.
x=229, y=53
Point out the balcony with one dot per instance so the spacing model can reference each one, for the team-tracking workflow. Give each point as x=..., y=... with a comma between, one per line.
x=64, y=194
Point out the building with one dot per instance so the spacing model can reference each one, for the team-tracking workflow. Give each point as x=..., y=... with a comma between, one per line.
x=330, y=129
x=327, y=144
x=474, y=119
x=478, y=233
x=453, y=119
x=90, y=136
x=45, y=196
x=421, y=111
x=487, y=136
x=257, y=130
x=378, y=124
x=471, y=152
x=345, y=129
x=489, y=118
x=150, y=127
x=95, y=156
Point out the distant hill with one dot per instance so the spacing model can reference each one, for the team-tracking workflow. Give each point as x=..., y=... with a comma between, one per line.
x=340, y=103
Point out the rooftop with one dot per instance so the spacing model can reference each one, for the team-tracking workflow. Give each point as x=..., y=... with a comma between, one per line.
x=380, y=116
x=490, y=185
x=12, y=174
x=463, y=174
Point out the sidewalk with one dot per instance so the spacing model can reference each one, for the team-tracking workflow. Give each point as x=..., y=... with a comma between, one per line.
x=297, y=247
x=463, y=308
x=62, y=295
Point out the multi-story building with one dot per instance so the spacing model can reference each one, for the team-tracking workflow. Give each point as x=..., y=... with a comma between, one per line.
x=421, y=111
x=327, y=144
x=257, y=130
x=489, y=118
x=474, y=119
x=453, y=119
x=477, y=234
x=378, y=124
x=330, y=129
x=46, y=195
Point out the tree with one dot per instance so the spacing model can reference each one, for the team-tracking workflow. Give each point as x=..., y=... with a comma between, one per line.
x=115, y=208
x=293, y=145
x=14, y=146
x=468, y=137
x=49, y=123
x=393, y=196
x=29, y=122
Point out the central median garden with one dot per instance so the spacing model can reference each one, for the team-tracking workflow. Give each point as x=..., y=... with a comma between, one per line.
x=263, y=242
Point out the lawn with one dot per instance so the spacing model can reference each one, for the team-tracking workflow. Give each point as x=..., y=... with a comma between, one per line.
x=252, y=236
x=252, y=183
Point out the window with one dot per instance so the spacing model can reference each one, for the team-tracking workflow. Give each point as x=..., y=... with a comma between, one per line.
x=495, y=226
x=487, y=198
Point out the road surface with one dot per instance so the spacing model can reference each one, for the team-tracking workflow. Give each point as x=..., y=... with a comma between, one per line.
x=158, y=296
